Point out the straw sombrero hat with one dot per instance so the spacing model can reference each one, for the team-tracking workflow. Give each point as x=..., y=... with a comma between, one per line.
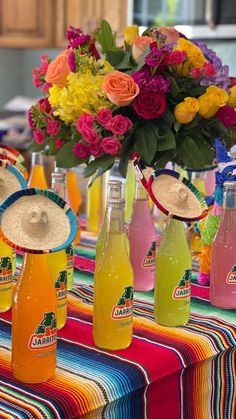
x=173, y=194
x=37, y=221
x=11, y=152
x=19, y=166
x=11, y=180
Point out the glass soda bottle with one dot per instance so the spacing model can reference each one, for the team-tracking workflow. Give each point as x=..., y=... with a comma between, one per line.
x=114, y=191
x=57, y=262
x=173, y=277
x=142, y=238
x=5, y=277
x=113, y=285
x=92, y=207
x=34, y=332
x=74, y=197
x=196, y=244
x=223, y=259
x=37, y=175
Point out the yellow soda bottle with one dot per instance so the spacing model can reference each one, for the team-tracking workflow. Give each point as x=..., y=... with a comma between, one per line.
x=37, y=175
x=70, y=266
x=129, y=192
x=113, y=285
x=96, y=203
x=57, y=264
x=173, y=277
x=5, y=277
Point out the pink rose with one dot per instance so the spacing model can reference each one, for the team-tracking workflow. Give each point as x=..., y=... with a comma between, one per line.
x=119, y=124
x=95, y=150
x=52, y=127
x=90, y=135
x=196, y=73
x=39, y=136
x=30, y=119
x=36, y=81
x=44, y=105
x=46, y=88
x=81, y=151
x=111, y=145
x=59, y=143
x=85, y=120
x=104, y=116
x=176, y=57
x=209, y=69
x=150, y=105
x=227, y=115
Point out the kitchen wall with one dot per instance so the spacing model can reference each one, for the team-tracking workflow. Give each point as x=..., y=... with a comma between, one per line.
x=16, y=68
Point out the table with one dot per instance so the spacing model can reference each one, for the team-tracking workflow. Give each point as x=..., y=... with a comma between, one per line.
x=167, y=373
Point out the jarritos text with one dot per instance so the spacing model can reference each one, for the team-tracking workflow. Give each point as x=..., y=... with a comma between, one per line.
x=231, y=277
x=45, y=334
x=124, y=306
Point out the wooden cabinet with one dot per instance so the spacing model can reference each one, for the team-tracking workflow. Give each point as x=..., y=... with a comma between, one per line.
x=43, y=23
x=26, y=23
x=87, y=15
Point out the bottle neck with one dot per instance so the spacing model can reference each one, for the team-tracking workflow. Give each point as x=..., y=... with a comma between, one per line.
x=174, y=228
x=140, y=192
x=115, y=219
x=59, y=188
x=36, y=159
x=229, y=200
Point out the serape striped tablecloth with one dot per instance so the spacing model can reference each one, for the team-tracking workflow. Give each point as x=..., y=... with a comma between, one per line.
x=167, y=373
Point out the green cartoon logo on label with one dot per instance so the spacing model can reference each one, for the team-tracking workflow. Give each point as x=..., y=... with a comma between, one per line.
x=231, y=277
x=70, y=256
x=45, y=334
x=150, y=258
x=61, y=285
x=124, y=306
x=5, y=270
x=183, y=288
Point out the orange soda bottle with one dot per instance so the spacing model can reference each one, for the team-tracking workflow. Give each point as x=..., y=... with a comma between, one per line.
x=5, y=277
x=74, y=198
x=34, y=332
x=37, y=176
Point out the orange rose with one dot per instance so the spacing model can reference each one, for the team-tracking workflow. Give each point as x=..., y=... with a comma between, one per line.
x=139, y=45
x=58, y=70
x=120, y=88
x=172, y=35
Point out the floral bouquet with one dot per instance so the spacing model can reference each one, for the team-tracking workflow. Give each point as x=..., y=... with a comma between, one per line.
x=157, y=94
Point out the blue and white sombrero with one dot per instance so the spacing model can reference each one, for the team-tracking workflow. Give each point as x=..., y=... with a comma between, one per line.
x=11, y=180
x=37, y=221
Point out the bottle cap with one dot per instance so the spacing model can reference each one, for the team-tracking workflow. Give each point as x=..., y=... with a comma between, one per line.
x=230, y=184
x=114, y=190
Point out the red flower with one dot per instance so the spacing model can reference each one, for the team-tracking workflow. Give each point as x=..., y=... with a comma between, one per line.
x=209, y=70
x=38, y=136
x=176, y=57
x=52, y=127
x=227, y=115
x=150, y=105
x=196, y=73
x=111, y=145
x=81, y=151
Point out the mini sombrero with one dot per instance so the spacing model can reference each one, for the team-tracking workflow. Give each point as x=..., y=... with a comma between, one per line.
x=37, y=221
x=19, y=166
x=173, y=194
x=11, y=152
x=11, y=180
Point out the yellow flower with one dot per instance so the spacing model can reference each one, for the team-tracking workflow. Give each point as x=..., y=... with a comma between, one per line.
x=186, y=111
x=211, y=101
x=195, y=57
x=232, y=97
x=130, y=32
x=83, y=93
x=103, y=66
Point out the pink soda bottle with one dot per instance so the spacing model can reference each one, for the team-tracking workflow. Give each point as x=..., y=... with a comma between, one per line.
x=223, y=259
x=142, y=238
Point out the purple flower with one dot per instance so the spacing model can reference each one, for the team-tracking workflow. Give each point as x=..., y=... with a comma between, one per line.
x=221, y=76
x=71, y=62
x=146, y=81
x=157, y=57
x=72, y=33
x=80, y=40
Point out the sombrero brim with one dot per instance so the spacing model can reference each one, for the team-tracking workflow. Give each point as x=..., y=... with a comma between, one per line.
x=14, y=162
x=12, y=152
x=12, y=178
x=61, y=217
x=152, y=180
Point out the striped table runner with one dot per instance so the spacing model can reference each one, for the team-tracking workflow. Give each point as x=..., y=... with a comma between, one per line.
x=167, y=373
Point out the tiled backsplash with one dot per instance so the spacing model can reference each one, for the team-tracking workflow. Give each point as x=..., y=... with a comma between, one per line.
x=16, y=68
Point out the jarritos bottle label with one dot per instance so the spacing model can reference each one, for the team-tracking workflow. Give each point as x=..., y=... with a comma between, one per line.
x=70, y=257
x=61, y=285
x=45, y=334
x=183, y=289
x=231, y=277
x=150, y=259
x=5, y=270
x=124, y=305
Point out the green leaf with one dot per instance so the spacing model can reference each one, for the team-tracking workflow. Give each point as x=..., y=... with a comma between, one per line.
x=65, y=157
x=125, y=63
x=115, y=57
x=34, y=147
x=105, y=37
x=174, y=89
x=195, y=154
x=168, y=117
x=161, y=161
x=196, y=91
x=146, y=142
x=166, y=139
x=99, y=165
